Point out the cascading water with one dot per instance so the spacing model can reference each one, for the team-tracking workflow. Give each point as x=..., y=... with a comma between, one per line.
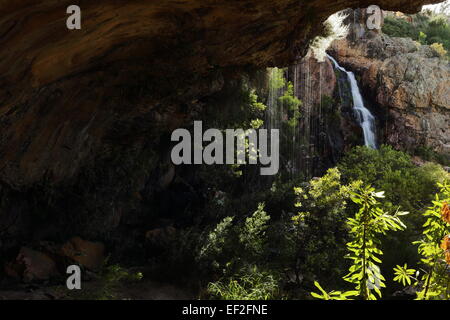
x=365, y=118
x=301, y=146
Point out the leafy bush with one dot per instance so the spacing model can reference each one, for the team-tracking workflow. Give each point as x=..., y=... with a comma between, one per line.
x=111, y=278
x=434, y=248
x=395, y=27
x=250, y=284
x=291, y=104
x=237, y=251
x=432, y=30
x=229, y=247
x=366, y=227
x=439, y=49
x=429, y=154
x=252, y=235
x=314, y=239
x=405, y=184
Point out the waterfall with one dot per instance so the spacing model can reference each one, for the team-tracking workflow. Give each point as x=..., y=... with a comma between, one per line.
x=365, y=118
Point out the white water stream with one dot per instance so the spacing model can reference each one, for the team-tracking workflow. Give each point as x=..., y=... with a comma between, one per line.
x=365, y=118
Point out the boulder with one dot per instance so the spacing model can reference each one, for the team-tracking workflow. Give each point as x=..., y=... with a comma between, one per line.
x=86, y=253
x=31, y=265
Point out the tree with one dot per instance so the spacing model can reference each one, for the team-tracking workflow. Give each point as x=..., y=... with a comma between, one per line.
x=366, y=227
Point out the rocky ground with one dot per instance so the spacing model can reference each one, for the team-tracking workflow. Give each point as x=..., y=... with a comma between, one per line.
x=40, y=273
x=144, y=290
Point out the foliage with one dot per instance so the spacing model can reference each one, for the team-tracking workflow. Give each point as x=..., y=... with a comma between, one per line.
x=364, y=249
x=230, y=246
x=254, y=103
x=245, y=253
x=307, y=244
x=108, y=284
x=216, y=242
x=316, y=236
x=252, y=235
x=236, y=250
x=432, y=282
x=285, y=107
x=405, y=184
x=251, y=284
x=332, y=295
x=429, y=154
x=276, y=79
x=256, y=123
x=111, y=278
x=422, y=38
x=438, y=31
x=439, y=49
x=403, y=274
x=396, y=27
x=291, y=104
x=428, y=29
x=240, y=104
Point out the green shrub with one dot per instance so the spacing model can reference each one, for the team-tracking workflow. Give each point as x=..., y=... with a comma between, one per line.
x=395, y=27
x=432, y=281
x=312, y=241
x=426, y=29
x=439, y=49
x=231, y=246
x=405, y=184
x=249, y=284
x=252, y=233
x=428, y=154
x=364, y=250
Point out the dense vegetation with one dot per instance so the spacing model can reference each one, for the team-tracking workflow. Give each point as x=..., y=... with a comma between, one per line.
x=426, y=28
x=329, y=221
x=355, y=229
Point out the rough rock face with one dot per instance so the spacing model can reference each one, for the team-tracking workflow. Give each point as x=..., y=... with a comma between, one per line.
x=315, y=79
x=32, y=265
x=410, y=86
x=84, y=115
x=328, y=121
x=315, y=84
